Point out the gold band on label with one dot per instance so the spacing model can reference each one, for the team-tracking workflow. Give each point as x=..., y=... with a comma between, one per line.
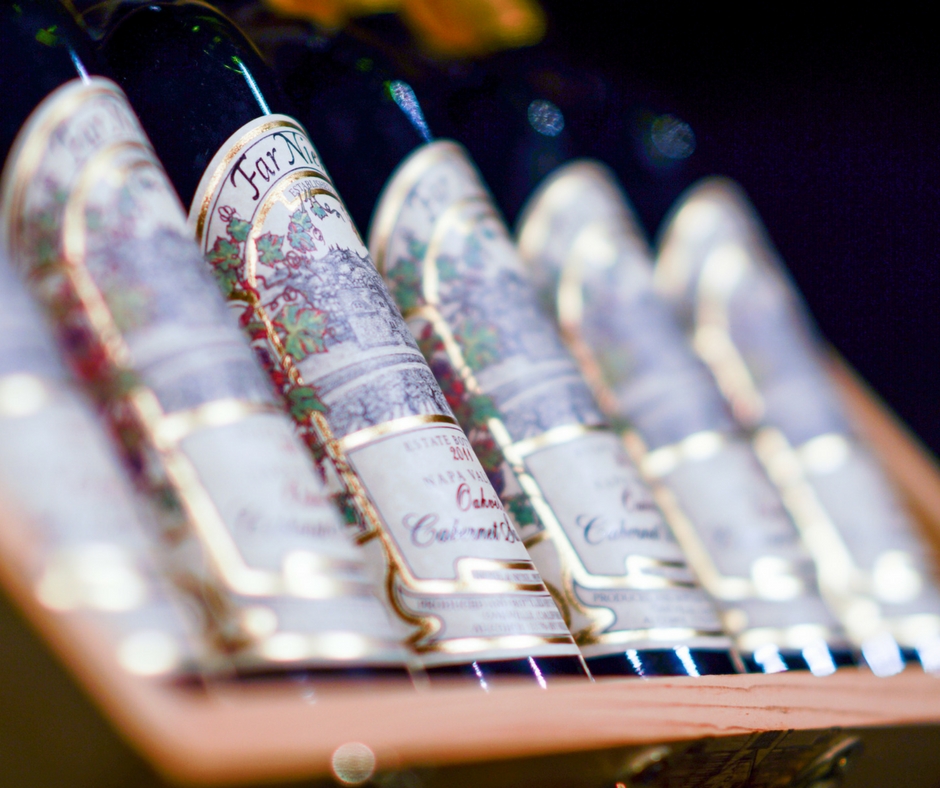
x=388, y=429
x=463, y=216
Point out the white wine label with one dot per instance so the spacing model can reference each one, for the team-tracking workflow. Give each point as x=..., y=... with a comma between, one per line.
x=588, y=518
x=593, y=265
x=294, y=268
x=93, y=221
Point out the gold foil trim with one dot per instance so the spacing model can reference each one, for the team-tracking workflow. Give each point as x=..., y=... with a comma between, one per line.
x=387, y=429
x=712, y=339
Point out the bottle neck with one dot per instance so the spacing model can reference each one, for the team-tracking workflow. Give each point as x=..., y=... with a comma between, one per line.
x=362, y=113
x=41, y=48
x=193, y=78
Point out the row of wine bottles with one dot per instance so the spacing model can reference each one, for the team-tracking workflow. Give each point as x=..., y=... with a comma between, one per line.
x=388, y=456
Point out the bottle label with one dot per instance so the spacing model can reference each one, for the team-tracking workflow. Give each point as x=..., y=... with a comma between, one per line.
x=294, y=268
x=71, y=519
x=92, y=219
x=588, y=518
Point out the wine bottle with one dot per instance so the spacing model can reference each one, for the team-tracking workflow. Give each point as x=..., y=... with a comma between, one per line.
x=293, y=266
x=718, y=266
x=71, y=526
x=504, y=115
x=589, y=521
x=88, y=214
x=593, y=266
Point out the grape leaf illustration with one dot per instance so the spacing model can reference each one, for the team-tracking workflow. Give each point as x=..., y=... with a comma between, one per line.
x=321, y=211
x=482, y=409
x=301, y=232
x=302, y=330
x=302, y=401
x=521, y=509
x=447, y=269
x=225, y=259
x=269, y=248
x=238, y=229
x=480, y=344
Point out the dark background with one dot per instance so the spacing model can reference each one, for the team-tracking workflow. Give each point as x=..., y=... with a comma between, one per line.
x=833, y=128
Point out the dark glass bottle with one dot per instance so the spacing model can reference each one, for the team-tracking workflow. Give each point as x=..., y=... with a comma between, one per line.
x=372, y=130
x=42, y=50
x=529, y=119
x=246, y=526
x=324, y=324
x=346, y=81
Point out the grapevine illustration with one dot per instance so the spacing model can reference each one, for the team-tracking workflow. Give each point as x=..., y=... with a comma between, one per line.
x=306, y=297
x=480, y=346
x=297, y=329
